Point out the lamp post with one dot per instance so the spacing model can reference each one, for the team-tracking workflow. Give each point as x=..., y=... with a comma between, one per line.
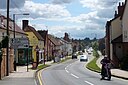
x=14, y=15
x=7, y=47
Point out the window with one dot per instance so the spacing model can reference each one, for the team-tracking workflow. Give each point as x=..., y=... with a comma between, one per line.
x=125, y=34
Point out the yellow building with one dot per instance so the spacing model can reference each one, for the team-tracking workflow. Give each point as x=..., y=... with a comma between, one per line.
x=36, y=41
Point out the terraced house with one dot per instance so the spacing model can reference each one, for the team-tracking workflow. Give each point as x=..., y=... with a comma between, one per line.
x=36, y=42
x=117, y=37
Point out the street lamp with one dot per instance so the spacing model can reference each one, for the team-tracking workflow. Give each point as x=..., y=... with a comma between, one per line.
x=14, y=15
x=7, y=47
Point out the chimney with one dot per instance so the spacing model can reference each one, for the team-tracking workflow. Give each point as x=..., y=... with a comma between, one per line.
x=122, y=3
x=24, y=24
x=115, y=14
x=120, y=9
x=119, y=4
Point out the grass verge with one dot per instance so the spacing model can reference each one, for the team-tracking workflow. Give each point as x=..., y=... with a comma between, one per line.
x=42, y=66
x=93, y=66
x=63, y=60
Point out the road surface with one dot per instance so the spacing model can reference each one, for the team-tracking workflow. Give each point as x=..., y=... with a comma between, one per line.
x=73, y=72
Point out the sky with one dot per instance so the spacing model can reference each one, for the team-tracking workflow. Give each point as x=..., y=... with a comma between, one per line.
x=78, y=18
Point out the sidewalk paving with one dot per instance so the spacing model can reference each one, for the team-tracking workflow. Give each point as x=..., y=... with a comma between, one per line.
x=20, y=77
x=115, y=72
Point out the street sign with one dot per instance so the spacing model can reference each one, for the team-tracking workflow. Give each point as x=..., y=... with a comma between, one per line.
x=20, y=43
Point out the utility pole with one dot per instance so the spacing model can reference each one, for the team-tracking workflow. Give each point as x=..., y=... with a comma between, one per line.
x=7, y=48
x=14, y=42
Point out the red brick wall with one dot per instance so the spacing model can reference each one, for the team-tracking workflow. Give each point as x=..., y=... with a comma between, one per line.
x=3, y=63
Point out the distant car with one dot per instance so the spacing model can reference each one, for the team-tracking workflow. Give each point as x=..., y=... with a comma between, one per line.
x=84, y=58
x=90, y=50
x=74, y=56
x=80, y=53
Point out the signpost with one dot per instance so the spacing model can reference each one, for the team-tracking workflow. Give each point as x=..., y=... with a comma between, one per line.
x=20, y=43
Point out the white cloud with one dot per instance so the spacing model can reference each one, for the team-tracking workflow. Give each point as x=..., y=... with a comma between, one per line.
x=104, y=8
x=77, y=32
x=79, y=26
x=61, y=1
x=46, y=10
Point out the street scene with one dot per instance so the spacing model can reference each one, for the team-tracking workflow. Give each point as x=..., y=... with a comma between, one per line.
x=63, y=42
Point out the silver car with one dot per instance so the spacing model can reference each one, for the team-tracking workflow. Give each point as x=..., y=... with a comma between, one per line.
x=83, y=58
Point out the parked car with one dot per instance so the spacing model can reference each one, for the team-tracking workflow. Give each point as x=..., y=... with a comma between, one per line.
x=83, y=58
x=74, y=56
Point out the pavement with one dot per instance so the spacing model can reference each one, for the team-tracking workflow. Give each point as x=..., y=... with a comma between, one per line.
x=24, y=77
x=21, y=77
x=115, y=72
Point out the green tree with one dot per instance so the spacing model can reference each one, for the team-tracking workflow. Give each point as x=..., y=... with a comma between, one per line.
x=4, y=42
x=95, y=45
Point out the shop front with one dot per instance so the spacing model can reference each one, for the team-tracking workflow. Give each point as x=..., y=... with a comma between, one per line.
x=24, y=56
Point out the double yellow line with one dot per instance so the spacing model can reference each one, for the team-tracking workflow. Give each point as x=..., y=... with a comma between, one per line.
x=40, y=77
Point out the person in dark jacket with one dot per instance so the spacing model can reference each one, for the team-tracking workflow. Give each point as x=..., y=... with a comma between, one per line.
x=105, y=70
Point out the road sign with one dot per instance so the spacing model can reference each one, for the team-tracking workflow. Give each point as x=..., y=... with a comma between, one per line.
x=20, y=43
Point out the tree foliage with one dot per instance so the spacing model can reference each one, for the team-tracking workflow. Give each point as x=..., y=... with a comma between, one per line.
x=95, y=45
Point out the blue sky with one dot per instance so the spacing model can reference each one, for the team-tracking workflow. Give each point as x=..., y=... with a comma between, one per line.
x=79, y=18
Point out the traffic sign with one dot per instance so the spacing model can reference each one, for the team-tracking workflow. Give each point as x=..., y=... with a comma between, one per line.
x=20, y=43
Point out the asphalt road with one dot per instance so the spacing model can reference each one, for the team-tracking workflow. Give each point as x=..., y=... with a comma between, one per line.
x=73, y=72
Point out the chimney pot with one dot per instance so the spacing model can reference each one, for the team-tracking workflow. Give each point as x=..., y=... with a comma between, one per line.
x=119, y=3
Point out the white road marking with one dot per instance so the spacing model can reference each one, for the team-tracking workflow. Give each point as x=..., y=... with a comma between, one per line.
x=74, y=76
x=35, y=82
x=67, y=71
x=88, y=83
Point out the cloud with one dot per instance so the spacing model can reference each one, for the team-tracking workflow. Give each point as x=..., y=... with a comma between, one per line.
x=104, y=8
x=13, y=4
x=77, y=32
x=61, y=1
x=80, y=26
x=46, y=10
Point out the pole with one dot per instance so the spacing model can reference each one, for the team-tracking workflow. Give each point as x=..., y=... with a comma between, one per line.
x=14, y=42
x=0, y=70
x=14, y=23
x=27, y=58
x=7, y=49
x=44, y=56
